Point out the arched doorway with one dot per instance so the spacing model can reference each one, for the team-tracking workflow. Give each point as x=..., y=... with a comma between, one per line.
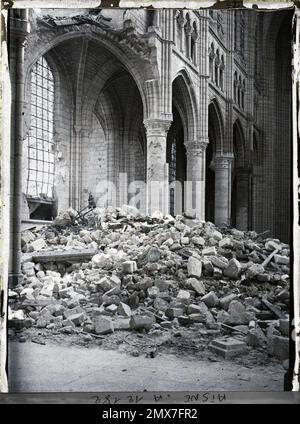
x=99, y=131
x=181, y=132
x=240, y=181
x=176, y=158
x=215, y=130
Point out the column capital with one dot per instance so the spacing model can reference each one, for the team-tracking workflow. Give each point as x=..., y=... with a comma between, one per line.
x=157, y=126
x=196, y=148
x=223, y=161
x=181, y=20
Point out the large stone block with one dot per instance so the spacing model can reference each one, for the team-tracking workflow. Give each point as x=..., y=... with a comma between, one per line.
x=228, y=348
x=140, y=322
x=233, y=269
x=103, y=325
x=194, y=267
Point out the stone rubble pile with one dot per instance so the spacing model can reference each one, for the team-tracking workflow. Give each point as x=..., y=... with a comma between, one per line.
x=155, y=274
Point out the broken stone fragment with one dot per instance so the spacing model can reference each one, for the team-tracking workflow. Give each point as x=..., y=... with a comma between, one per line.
x=217, y=273
x=254, y=270
x=209, y=251
x=67, y=323
x=73, y=311
x=225, y=243
x=166, y=324
x=27, y=237
x=65, y=293
x=110, y=300
x=194, y=267
x=77, y=319
x=263, y=277
x=200, y=313
x=140, y=322
x=256, y=337
x=115, y=280
x=130, y=211
x=283, y=295
x=103, y=325
x=278, y=346
x=197, y=286
x=272, y=245
x=153, y=291
x=28, y=269
x=233, y=269
x=237, y=314
x=101, y=260
x=153, y=255
x=122, y=324
x=124, y=310
x=144, y=284
x=284, y=327
x=157, y=215
x=185, y=241
x=160, y=304
x=173, y=312
x=238, y=235
x=163, y=285
x=129, y=267
x=27, y=293
x=281, y=260
x=39, y=244
x=198, y=241
x=193, y=309
x=184, y=296
x=217, y=235
x=112, y=308
x=12, y=294
x=185, y=320
x=207, y=265
x=219, y=261
x=210, y=299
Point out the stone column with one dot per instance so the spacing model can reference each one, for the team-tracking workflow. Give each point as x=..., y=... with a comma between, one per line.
x=81, y=136
x=189, y=31
x=157, y=190
x=181, y=22
x=242, y=198
x=223, y=165
x=18, y=33
x=195, y=184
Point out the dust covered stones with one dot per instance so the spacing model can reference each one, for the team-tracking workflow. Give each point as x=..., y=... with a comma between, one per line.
x=124, y=271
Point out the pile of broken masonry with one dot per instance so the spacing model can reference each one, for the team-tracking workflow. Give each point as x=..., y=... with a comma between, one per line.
x=121, y=270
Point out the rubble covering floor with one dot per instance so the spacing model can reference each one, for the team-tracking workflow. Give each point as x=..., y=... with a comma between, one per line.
x=133, y=291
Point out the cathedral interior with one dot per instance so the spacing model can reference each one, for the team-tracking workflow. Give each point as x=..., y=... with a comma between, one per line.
x=173, y=129
x=152, y=95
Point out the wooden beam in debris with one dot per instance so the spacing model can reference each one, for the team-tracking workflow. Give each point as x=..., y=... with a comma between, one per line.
x=276, y=311
x=63, y=256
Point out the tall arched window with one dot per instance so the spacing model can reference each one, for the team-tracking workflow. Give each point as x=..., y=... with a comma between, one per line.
x=40, y=180
x=211, y=61
x=239, y=90
x=235, y=83
x=222, y=67
x=172, y=176
x=217, y=63
x=243, y=94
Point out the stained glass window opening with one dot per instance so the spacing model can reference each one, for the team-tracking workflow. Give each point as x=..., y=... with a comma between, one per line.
x=40, y=143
